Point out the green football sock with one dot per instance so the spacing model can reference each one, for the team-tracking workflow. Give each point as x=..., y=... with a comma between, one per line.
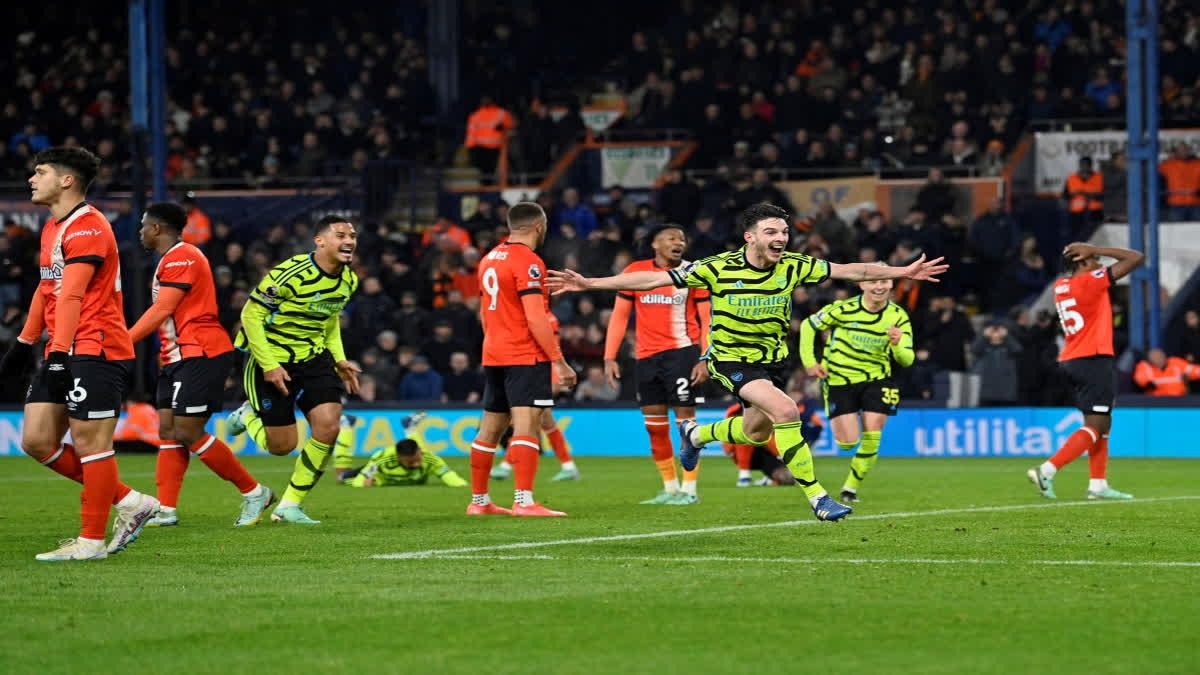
x=794, y=452
x=343, y=452
x=728, y=430
x=255, y=429
x=309, y=467
x=864, y=459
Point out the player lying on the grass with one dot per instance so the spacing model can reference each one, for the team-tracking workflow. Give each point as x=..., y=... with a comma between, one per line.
x=866, y=334
x=343, y=452
x=195, y=359
x=402, y=464
x=88, y=358
x=1085, y=310
x=671, y=331
x=764, y=457
x=292, y=330
x=751, y=306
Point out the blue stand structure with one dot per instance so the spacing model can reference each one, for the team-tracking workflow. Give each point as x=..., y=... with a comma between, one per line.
x=1141, y=73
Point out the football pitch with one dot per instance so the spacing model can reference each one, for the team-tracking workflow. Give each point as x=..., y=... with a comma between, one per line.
x=948, y=566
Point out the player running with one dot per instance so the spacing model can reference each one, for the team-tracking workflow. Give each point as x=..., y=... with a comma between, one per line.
x=88, y=359
x=196, y=358
x=751, y=306
x=671, y=333
x=291, y=328
x=518, y=350
x=867, y=333
x=1085, y=311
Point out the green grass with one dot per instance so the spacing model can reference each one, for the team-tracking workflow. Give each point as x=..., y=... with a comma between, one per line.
x=204, y=597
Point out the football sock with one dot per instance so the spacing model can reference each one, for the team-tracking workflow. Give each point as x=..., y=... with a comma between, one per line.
x=798, y=458
x=728, y=430
x=559, y=444
x=343, y=450
x=309, y=467
x=1098, y=459
x=255, y=429
x=847, y=447
x=688, y=484
x=169, y=468
x=864, y=459
x=1077, y=443
x=744, y=474
x=100, y=480
x=523, y=452
x=743, y=454
x=482, y=455
x=659, y=429
x=65, y=463
x=218, y=457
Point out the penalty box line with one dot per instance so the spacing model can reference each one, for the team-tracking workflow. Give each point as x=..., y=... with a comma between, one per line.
x=821, y=561
x=434, y=553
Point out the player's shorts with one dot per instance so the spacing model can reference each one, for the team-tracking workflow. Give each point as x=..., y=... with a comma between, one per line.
x=1094, y=382
x=194, y=387
x=666, y=378
x=99, y=391
x=313, y=382
x=733, y=375
x=508, y=387
x=876, y=396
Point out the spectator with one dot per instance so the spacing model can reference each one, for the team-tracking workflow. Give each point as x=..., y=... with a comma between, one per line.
x=916, y=381
x=421, y=383
x=412, y=321
x=992, y=240
x=947, y=330
x=1084, y=192
x=1189, y=338
x=995, y=352
x=1030, y=271
x=1115, y=176
x=198, y=229
x=487, y=131
x=460, y=383
x=1181, y=176
x=936, y=198
x=834, y=231
x=595, y=387
x=575, y=213
x=370, y=312
x=679, y=199
x=1160, y=375
x=443, y=344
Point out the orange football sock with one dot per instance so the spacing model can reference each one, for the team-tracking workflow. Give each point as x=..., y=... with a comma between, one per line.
x=218, y=457
x=1098, y=458
x=559, y=443
x=523, y=455
x=168, y=471
x=1077, y=443
x=482, y=455
x=659, y=428
x=742, y=454
x=100, y=481
x=65, y=463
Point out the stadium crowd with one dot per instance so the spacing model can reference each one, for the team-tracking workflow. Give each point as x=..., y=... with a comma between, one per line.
x=799, y=85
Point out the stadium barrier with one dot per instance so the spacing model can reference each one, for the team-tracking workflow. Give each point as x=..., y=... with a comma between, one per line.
x=914, y=432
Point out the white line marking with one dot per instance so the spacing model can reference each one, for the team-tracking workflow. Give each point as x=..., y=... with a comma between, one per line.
x=848, y=561
x=50, y=475
x=758, y=526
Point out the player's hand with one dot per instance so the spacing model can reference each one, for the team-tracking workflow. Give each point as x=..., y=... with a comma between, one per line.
x=612, y=372
x=1079, y=250
x=18, y=361
x=699, y=373
x=453, y=480
x=817, y=370
x=348, y=371
x=566, y=374
x=565, y=281
x=368, y=482
x=278, y=377
x=894, y=335
x=58, y=376
x=926, y=270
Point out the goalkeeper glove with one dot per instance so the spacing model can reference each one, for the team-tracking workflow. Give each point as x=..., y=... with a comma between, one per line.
x=58, y=376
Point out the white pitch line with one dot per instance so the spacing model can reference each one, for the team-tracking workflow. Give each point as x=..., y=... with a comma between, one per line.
x=818, y=561
x=408, y=555
x=50, y=475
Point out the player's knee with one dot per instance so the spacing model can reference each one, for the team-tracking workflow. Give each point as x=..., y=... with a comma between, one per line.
x=166, y=432
x=758, y=436
x=325, y=431
x=280, y=446
x=38, y=448
x=185, y=436
x=784, y=414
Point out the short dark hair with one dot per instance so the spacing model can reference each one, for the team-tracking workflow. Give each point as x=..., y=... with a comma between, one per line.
x=327, y=221
x=1070, y=265
x=757, y=213
x=170, y=214
x=78, y=162
x=524, y=214
x=407, y=448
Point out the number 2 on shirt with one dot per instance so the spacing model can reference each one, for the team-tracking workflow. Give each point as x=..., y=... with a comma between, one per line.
x=491, y=284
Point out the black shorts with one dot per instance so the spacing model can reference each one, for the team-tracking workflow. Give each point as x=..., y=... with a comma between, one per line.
x=508, y=387
x=194, y=387
x=877, y=396
x=733, y=375
x=1094, y=383
x=100, y=387
x=312, y=383
x=666, y=378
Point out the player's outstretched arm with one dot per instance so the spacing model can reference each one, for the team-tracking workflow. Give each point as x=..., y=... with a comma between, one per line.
x=569, y=281
x=1127, y=259
x=921, y=270
x=168, y=299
